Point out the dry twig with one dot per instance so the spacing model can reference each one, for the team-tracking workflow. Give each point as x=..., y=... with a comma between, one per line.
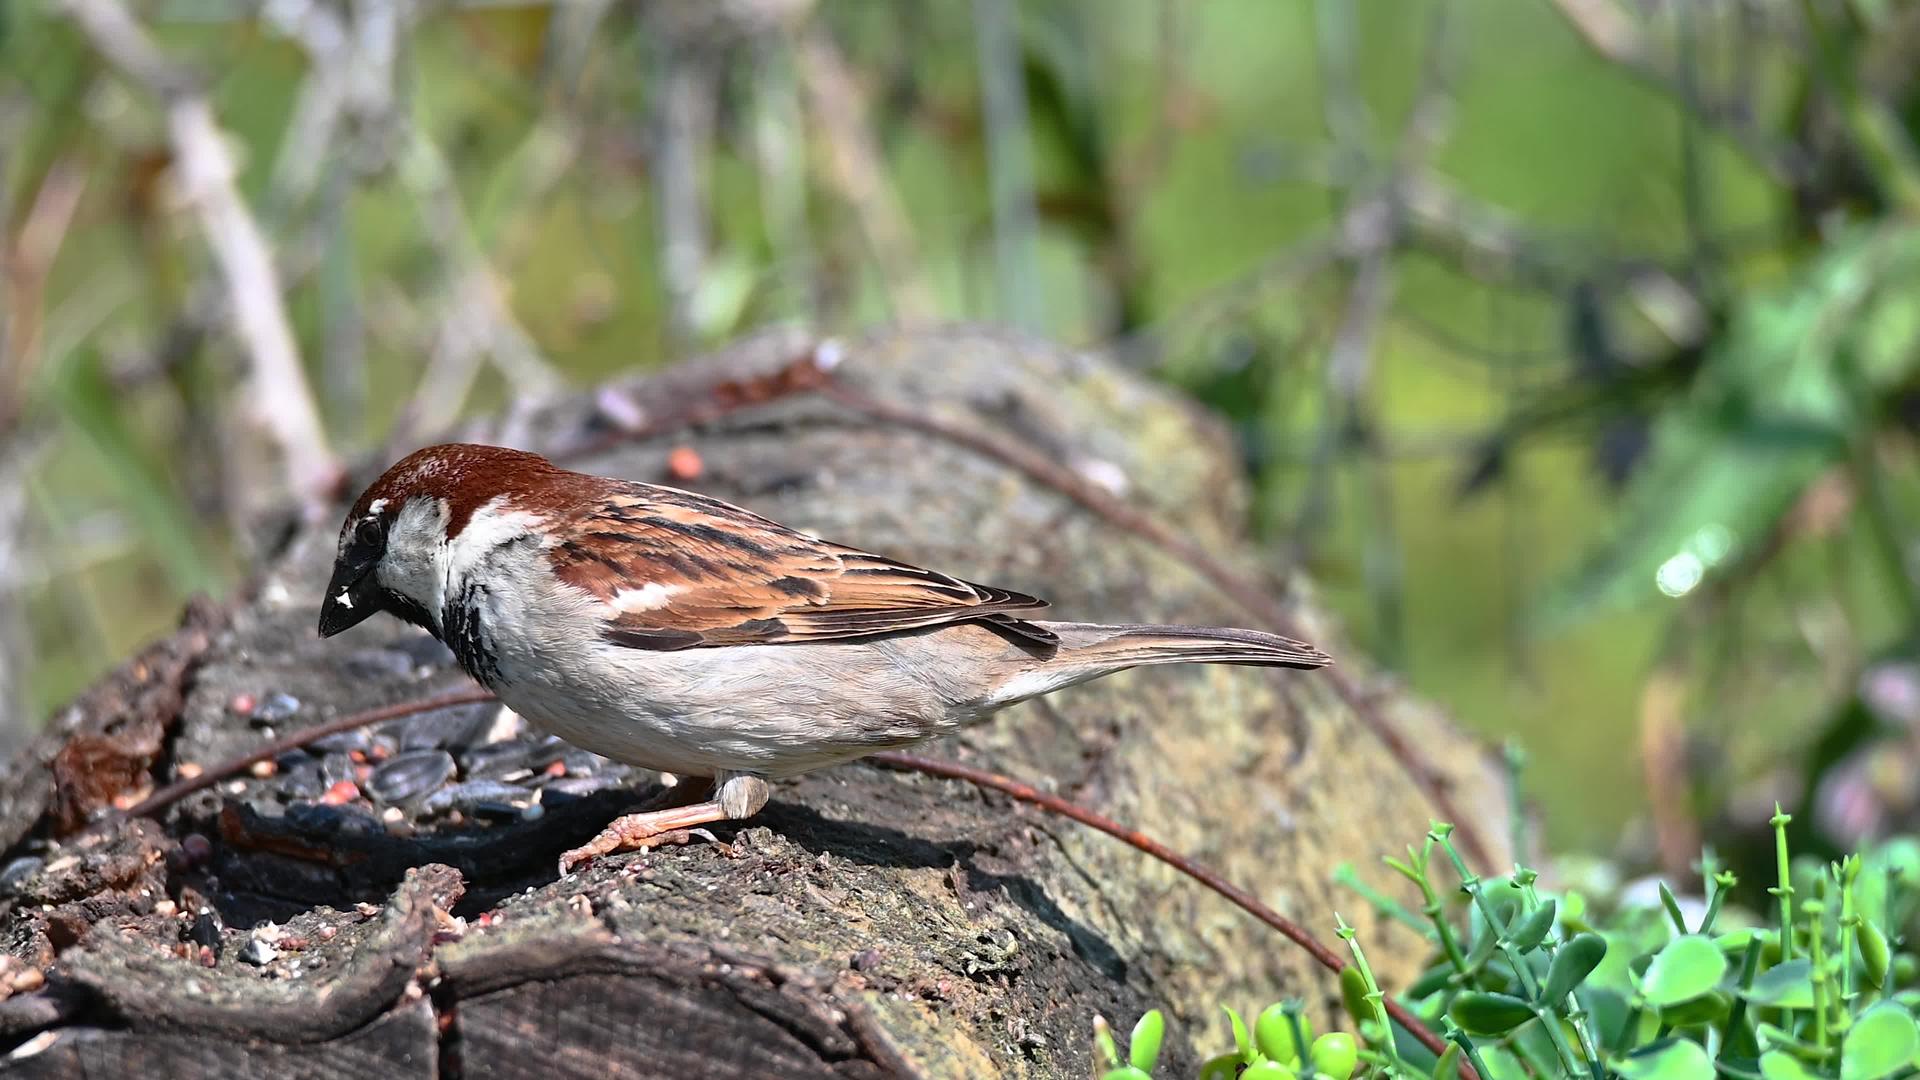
x=206, y=170
x=1141, y=842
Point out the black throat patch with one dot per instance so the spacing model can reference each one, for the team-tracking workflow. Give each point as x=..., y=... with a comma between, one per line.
x=462, y=632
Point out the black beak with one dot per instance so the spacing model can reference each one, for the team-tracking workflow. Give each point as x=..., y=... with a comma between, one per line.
x=352, y=595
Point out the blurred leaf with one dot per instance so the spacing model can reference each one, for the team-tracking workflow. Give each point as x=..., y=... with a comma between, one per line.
x=1688, y=967
x=1273, y=1034
x=1489, y=1014
x=1704, y=1009
x=1675, y=1059
x=1786, y=986
x=1771, y=409
x=1882, y=1041
x=1780, y=1065
x=1336, y=1053
x=1571, y=965
x=1534, y=928
x=87, y=401
x=1143, y=1046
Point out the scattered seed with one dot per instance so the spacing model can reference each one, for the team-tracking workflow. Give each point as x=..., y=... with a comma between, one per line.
x=498, y=760
x=410, y=775
x=473, y=794
x=575, y=787
x=342, y=742
x=339, y=793
x=683, y=463
x=242, y=704
x=451, y=729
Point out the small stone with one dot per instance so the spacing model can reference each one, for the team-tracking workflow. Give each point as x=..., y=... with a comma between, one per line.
x=340, y=793
x=261, y=770
x=377, y=664
x=243, y=704
x=258, y=953
x=186, y=770
x=18, y=871
x=195, y=849
x=865, y=960
x=27, y=980
x=336, y=767
x=303, y=780
x=276, y=708
x=410, y=775
x=205, y=932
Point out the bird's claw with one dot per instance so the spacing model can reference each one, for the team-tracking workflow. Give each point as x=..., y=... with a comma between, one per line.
x=631, y=834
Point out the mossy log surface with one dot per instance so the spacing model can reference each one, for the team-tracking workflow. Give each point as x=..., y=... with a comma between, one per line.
x=868, y=923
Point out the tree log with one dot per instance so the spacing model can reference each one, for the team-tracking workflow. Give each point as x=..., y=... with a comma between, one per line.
x=868, y=923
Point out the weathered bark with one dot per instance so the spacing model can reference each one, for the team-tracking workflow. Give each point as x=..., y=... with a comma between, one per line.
x=868, y=923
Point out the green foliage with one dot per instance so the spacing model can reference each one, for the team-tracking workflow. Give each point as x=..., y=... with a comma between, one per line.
x=1783, y=396
x=1640, y=994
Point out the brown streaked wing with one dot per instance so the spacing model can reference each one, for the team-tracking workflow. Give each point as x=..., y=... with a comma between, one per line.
x=686, y=571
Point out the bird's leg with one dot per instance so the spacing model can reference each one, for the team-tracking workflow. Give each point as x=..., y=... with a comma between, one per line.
x=737, y=796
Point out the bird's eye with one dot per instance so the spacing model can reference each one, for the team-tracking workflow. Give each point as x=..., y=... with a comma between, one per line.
x=368, y=533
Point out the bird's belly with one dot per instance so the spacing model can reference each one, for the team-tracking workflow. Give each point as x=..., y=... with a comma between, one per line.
x=769, y=710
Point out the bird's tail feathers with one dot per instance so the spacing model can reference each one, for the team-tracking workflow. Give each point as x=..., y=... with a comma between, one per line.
x=1090, y=650
x=1131, y=646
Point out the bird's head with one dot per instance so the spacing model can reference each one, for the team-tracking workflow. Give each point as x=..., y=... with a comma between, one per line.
x=394, y=546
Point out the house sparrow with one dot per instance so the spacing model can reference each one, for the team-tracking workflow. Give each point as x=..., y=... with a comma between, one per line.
x=676, y=632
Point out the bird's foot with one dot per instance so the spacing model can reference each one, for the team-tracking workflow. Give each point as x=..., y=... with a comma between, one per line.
x=637, y=832
x=740, y=796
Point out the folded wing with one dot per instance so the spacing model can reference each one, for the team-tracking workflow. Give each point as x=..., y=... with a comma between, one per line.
x=678, y=570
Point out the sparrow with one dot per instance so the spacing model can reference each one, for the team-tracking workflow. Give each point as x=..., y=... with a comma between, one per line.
x=672, y=631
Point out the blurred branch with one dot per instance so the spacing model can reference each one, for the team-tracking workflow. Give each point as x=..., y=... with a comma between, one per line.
x=1874, y=127
x=24, y=264
x=475, y=320
x=1616, y=38
x=1009, y=164
x=855, y=168
x=682, y=131
x=779, y=151
x=206, y=171
x=15, y=637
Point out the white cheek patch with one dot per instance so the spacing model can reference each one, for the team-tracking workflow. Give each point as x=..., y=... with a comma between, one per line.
x=649, y=597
